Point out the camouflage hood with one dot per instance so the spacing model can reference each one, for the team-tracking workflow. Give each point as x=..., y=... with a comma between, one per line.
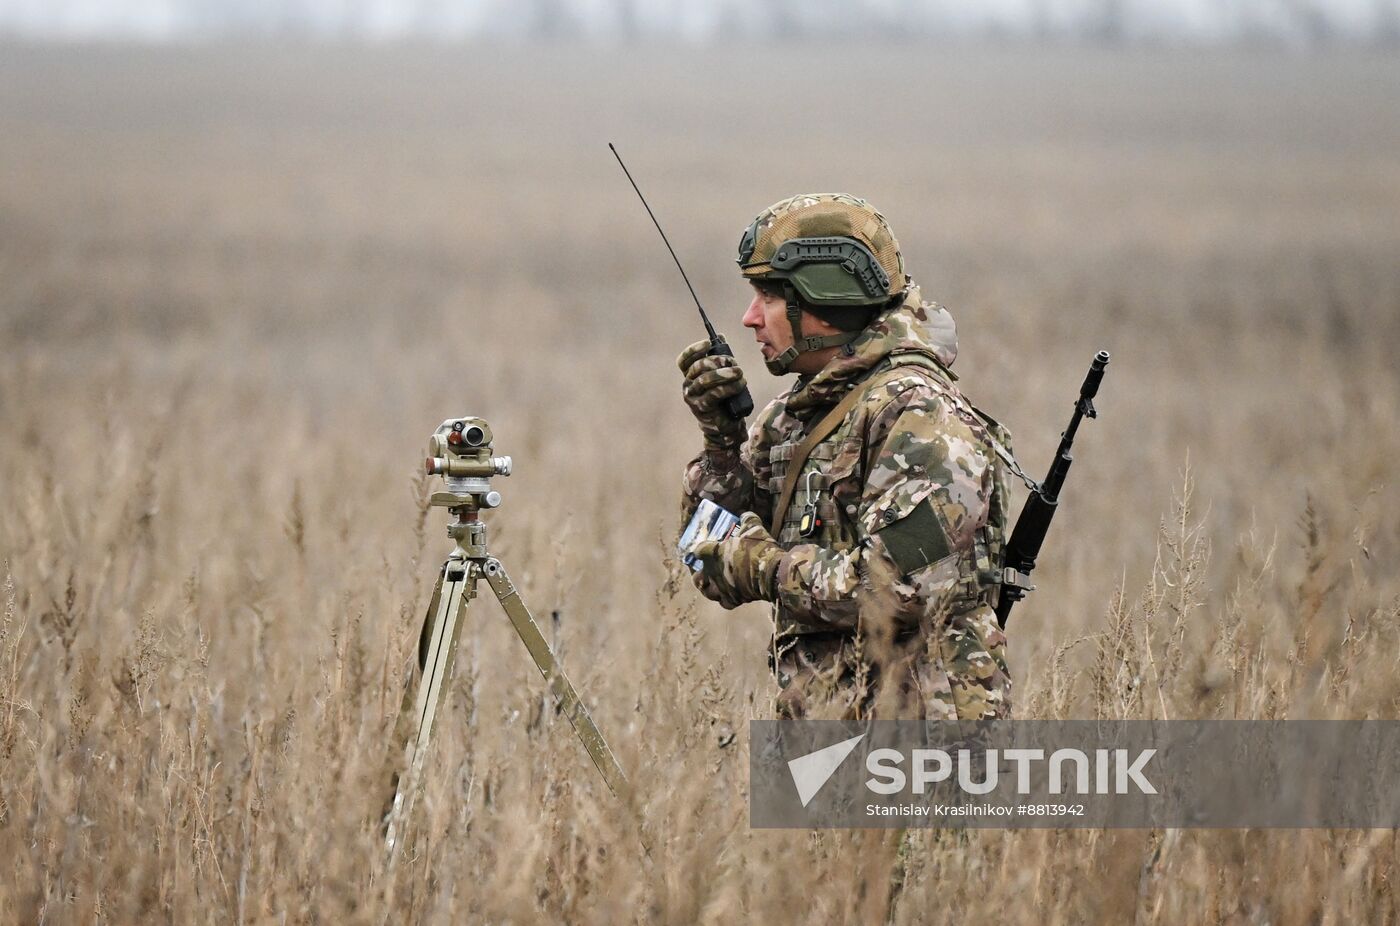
x=915, y=326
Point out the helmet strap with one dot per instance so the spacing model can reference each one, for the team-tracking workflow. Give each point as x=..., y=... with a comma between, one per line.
x=782, y=363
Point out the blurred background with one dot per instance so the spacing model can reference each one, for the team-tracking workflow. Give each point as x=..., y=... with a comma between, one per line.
x=1292, y=21
x=252, y=254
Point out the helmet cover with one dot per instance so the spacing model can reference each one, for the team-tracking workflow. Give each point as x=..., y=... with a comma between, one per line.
x=834, y=249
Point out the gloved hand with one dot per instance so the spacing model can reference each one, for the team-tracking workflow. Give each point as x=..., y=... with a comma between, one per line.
x=740, y=568
x=709, y=382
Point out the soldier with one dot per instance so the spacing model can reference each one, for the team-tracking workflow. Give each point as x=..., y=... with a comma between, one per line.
x=873, y=494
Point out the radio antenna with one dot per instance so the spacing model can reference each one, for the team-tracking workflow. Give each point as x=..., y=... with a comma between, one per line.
x=709, y=328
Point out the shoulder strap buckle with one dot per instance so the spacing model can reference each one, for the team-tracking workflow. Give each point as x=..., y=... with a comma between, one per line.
x=1016, y=579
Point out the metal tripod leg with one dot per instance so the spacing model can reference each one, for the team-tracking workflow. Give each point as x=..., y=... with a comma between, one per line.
x=565, y=696
x=456, y=585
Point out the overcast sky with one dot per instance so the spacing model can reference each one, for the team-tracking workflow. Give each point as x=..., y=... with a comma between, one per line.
x=1294, y=21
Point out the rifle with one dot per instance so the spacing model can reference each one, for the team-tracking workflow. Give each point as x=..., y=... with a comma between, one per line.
x=739, y=406
x=1029, y=533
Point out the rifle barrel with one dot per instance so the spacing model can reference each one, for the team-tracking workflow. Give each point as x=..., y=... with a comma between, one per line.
x=1028, y=535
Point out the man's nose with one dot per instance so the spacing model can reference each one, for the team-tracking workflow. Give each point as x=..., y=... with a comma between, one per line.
x=753, y=318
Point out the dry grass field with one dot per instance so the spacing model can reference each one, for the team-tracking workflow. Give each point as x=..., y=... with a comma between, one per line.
x=239, y=288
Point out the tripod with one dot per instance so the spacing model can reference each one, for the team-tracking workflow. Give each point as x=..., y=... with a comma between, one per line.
x=466, y=462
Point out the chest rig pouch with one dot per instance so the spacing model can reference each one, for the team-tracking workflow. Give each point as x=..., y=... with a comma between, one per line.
x=824, y=496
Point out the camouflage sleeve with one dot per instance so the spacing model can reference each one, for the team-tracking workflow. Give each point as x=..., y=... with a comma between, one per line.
x=731, y=478
x=720, y=476
x=927, y=490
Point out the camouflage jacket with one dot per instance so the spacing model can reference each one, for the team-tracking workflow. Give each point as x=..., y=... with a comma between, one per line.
x=909, y=490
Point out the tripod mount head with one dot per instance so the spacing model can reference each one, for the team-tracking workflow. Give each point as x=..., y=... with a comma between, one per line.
x=460, y=452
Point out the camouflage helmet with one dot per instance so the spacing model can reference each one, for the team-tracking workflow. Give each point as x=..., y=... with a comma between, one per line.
x=834, y=255
x=835, y=249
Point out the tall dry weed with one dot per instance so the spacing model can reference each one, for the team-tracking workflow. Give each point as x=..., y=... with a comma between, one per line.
x=241, y=286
